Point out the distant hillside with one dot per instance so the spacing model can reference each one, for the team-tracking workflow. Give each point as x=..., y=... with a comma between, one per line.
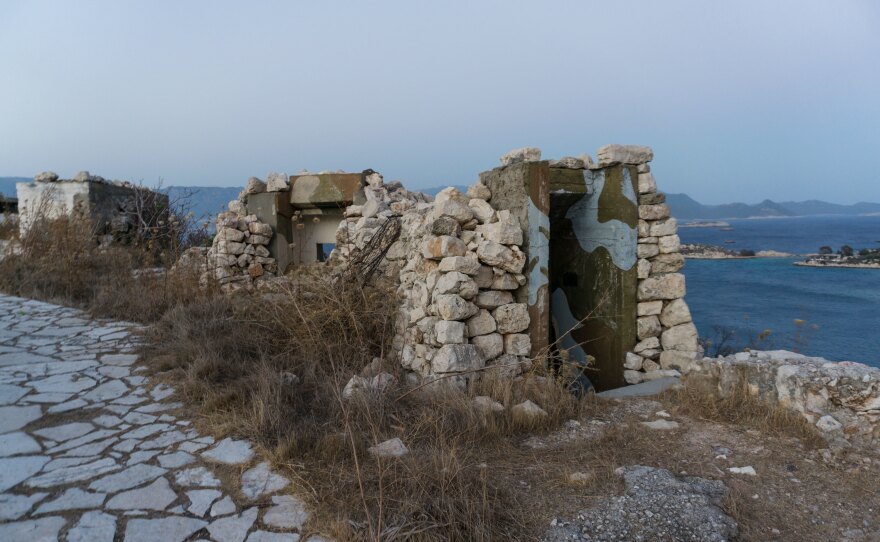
x=685, y=207
x=209, y=200
x=7, y=184
x=204, y=201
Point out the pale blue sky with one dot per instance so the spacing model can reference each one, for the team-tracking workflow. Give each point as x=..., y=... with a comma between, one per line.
x=740, y=100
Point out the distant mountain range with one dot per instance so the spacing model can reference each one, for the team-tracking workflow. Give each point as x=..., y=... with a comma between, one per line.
x=685, y=207
x=209, y=200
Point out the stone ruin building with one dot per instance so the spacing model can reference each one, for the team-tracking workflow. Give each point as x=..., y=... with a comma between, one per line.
x=117, y=209
x=569, y=261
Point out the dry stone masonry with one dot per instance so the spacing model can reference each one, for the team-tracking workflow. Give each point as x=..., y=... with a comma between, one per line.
x=842, y=399
x=668, y=340
x=488, y=277
x=238, y=257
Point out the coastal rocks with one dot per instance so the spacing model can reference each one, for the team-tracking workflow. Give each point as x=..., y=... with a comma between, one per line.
x=842, y=399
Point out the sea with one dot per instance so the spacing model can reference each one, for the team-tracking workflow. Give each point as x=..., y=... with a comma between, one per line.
x=769, y=303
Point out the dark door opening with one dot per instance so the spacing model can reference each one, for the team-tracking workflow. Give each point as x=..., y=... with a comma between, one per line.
x=593, y=278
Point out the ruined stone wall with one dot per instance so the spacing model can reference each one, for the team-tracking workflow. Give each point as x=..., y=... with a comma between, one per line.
x=842, y=399
x=473, y=269
x=118, y=209
x=667, y=338
x=239, y=257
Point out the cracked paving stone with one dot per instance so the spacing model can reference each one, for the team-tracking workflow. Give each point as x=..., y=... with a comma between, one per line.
x=76, y=473
x=231, y=452
x=233, y=528
x=67, y=406
x=10, y=393
x=168, y=529
x=68, y=431
x=266, y=536
x=196, y=477
x=107, y=391
x=35, y=530
x=175, y=460
x=200, y=500
x=14, y=470
x=164, y=440
x=289, y=512
x=223, y=507
x=18, y=443
x=260, y=481
x=161, y=391
x=128, y=478
x=156, y=496
x=139, y=418
x=45, y=398
x=14, y=417
x=63, y=383
x=119, y=359
x=85, y=439
x=142, y=456
x=107, y=421
x=15, y=506
x=73, y=499
x=93, y=526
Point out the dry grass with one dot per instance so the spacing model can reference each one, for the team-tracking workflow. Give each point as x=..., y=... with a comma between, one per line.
x=273, y=371
x=60, y=261
x=740, y=408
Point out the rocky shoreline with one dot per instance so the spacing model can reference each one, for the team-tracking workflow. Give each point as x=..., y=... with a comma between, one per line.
x=819, y=263
x=846, y=257
x=697, y=251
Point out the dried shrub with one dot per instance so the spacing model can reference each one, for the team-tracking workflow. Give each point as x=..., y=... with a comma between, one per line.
x=740, y=407
x=59, y=260
x=272, y=368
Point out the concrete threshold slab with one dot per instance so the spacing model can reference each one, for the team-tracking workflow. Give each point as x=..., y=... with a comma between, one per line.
x=645, y=389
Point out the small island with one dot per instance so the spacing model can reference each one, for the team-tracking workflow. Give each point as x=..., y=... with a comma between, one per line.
x=699, y=251
x=865, y=258
x=705, y=224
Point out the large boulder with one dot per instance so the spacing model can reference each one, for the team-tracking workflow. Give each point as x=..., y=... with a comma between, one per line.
x=669, y=286
x=511, y=318
x=524, y=154
x=624, y=154
x=498, y=255
x=451, y=358
x=277, y=182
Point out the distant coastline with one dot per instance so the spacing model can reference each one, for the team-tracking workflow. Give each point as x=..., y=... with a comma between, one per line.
x=698, y=251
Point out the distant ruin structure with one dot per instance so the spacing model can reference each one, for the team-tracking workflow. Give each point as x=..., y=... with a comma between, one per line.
x=565, y=261
x=117, y=209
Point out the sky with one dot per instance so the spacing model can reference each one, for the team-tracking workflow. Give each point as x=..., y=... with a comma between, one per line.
x=740, y=101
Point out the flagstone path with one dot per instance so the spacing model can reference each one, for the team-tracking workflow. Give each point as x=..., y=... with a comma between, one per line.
x=91, y=451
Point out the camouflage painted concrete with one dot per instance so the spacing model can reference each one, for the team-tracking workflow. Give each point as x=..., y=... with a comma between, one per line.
x=327, y=189
x=593, y=280
x=523, y=188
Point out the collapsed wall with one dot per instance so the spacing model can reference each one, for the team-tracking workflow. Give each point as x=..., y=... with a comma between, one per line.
x=842, y=399
x=485, y=278
x=539, y=261
x=118, y=209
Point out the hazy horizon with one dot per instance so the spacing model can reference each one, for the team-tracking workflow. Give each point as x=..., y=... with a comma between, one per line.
x=740, y=102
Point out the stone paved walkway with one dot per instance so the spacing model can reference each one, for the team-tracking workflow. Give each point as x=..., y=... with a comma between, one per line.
x=90, y=451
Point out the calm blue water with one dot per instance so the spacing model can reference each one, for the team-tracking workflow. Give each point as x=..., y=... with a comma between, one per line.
x=840, y=308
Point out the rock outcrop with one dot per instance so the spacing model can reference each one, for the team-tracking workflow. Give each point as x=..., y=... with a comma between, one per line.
x=842, y=399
